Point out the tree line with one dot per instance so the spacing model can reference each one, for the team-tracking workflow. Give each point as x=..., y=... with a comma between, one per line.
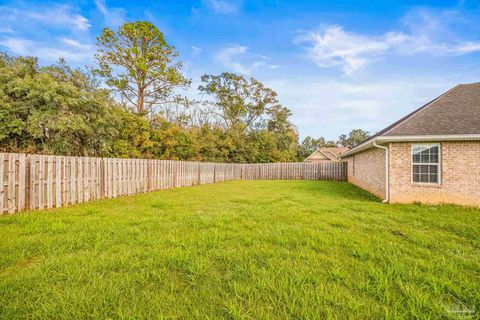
x=130, y=105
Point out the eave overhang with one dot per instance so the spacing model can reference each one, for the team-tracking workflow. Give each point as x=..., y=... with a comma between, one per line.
x=427, y=138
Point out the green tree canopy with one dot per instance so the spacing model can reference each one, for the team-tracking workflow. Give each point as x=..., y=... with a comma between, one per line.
x=355, y=137
x=59, y=110
x=238, y=102
x=139, y=64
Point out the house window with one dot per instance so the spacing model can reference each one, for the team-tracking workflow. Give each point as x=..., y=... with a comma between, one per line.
x=426, y=163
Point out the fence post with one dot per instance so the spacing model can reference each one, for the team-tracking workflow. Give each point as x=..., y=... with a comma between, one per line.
x=103, y=179
x=149, y=175
x=2, y=187
x=174, y=175
x=214, y=173
x=11, y=182
x=20, y=203
x=199, y=174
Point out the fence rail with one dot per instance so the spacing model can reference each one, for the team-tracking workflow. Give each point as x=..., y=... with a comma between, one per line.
x=36, y=182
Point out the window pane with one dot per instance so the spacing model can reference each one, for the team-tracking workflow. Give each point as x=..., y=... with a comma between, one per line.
x=416, y=177
x=425, y=154
x=416, y=153
x=424, y=178
x=425, y=173
x=433, y=151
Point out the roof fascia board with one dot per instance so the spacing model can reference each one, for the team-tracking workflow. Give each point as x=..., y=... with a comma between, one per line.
x=329, y=155
x=446, y=137
x=311, y=155
x=386, y=139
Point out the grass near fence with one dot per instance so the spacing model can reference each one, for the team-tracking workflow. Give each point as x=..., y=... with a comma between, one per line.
x=241, y=250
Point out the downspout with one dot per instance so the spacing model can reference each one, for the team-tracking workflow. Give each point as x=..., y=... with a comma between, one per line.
x=387, y=187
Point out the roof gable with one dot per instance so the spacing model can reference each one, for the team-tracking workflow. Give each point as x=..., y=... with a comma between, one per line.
x=317, y=155
x=327, y=153
x=455, y=112
x=453, y=115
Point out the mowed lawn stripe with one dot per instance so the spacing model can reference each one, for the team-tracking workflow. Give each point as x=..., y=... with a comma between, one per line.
x=241, y=250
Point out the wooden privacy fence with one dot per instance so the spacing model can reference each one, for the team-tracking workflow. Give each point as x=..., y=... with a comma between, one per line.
x=36, y=182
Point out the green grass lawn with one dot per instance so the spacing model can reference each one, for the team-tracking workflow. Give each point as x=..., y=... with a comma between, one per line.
x=241, y=250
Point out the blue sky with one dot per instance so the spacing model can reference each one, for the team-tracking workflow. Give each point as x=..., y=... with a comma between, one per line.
x=337, y=65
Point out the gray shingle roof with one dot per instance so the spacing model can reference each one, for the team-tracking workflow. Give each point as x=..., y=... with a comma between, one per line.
x=335, y=150
x=455, y=112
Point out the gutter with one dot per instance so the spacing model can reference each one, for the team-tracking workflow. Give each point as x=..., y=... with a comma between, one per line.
x=387, y=187
x=427, y=138
x=446, y=137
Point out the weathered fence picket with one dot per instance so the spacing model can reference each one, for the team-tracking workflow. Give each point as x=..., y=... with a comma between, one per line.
x=39, y=182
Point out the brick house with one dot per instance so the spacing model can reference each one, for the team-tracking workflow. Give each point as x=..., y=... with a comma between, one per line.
x=431, y=155
x=327, y=154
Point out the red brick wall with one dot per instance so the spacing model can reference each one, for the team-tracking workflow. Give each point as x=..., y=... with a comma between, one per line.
x=460, y=175
x=367, y=170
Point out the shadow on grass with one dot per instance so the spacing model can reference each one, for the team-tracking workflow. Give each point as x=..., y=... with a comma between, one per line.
x=339, y=189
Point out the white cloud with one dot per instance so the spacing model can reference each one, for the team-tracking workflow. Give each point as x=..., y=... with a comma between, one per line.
x=326, y=107
x=50, y=53
x=237, y=58
x=223, y=7
x=80, y=22
x=56, y=15
x=49, y=32
x=113, y=16
x=465, y=47
x=230, y=57
x=196, y=50
x=332, y=46
x=76, y=44
x=426, y=31
x=101, y=6
x=6, y=30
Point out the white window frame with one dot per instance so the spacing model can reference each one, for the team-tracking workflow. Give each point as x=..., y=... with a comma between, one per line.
x=438, y=164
